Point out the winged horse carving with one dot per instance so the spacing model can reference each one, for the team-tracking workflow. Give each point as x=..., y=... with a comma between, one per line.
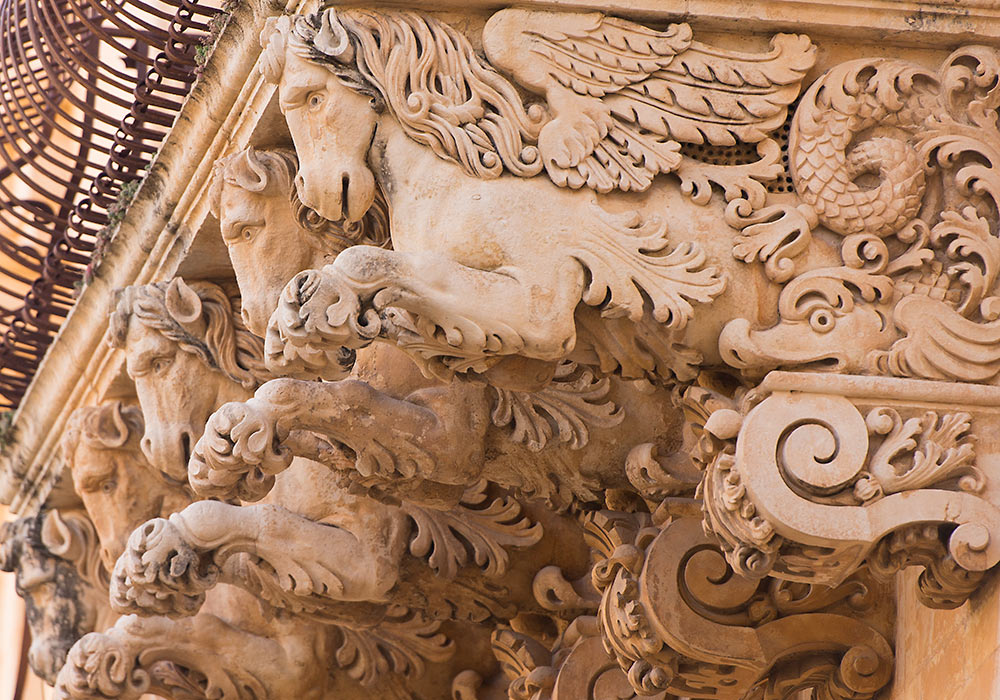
x=487, y=260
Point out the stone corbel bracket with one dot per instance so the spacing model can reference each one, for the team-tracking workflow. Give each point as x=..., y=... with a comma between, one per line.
x=819, y=473
x=677, y=619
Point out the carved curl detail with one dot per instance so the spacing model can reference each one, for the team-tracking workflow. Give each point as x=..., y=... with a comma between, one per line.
x=808, y=468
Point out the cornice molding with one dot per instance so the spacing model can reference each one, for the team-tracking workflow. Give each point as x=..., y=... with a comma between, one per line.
x=904, y=22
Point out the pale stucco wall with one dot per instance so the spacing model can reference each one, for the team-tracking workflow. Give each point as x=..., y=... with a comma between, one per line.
x=947, y=654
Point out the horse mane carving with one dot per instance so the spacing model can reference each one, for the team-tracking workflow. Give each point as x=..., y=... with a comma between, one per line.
x=428, y=74
x=71, y=535
x=201, y=318
x=14, y=534
x=271, y=173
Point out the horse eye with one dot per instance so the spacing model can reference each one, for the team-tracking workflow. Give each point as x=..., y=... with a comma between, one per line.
x=161, y=364
x=109, y=486
x=315, y=99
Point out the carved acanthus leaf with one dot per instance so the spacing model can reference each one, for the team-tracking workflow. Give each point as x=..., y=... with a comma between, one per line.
x=774, y=235
x=943, y=583
x=919, y=452
x=737, y=181
x=564, y=409
x=628, y=263
x=479, y=531
x=525, y=662
x=971, y=242
x=397, y=646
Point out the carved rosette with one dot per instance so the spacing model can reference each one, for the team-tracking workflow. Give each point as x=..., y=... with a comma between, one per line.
x=823, y=472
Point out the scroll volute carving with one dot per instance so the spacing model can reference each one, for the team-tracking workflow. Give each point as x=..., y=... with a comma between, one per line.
x=823, y=472
x=678, y=619
x=577, y=667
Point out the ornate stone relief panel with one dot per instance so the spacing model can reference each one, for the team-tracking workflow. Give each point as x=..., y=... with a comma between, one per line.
x=572, y=358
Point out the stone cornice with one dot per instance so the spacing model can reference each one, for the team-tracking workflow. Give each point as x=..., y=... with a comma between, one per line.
x=904, y=22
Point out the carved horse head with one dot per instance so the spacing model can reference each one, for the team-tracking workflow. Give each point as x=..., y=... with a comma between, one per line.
x=259, y=212
x=61, y=604
x=188, y=353
x=341, y=73
x=118, y=486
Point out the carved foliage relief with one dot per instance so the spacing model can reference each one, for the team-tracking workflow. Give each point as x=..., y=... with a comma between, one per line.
x=577, y=359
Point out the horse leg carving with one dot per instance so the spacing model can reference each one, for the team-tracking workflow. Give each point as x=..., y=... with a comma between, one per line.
x=460, y=314
x=169, y=564
x=432, y=434
x=203, y=656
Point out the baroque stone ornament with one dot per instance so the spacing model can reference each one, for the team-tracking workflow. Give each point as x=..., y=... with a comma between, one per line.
x=564, y=441
x=819, y=472
x=677, y=619
x=326, y=555
x=900, y=161
x=557, y=356
x=619, y=98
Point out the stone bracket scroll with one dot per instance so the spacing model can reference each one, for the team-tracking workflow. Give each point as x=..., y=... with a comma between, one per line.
x=677, y=618
x=820, y=472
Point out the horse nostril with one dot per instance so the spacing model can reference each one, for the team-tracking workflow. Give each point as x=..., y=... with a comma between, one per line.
x=302, y=191
x=186, y=446
x=146, y=445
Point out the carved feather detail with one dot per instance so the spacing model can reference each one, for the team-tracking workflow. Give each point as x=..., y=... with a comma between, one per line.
x=623, y=95
x=479, y=531
x=565, y=409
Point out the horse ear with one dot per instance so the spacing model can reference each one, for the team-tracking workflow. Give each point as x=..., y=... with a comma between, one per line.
x=183, y=303
x=59, y=538
x=109, y=426
x=268, y=30
x=332, y=39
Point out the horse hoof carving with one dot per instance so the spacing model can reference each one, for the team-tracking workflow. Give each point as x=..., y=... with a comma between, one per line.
x=160, y=573
x=101, y=666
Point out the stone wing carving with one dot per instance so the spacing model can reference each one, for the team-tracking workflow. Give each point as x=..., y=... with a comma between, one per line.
x=623, y=96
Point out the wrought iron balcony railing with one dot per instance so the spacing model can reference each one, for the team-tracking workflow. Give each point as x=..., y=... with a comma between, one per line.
x=88, y=91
